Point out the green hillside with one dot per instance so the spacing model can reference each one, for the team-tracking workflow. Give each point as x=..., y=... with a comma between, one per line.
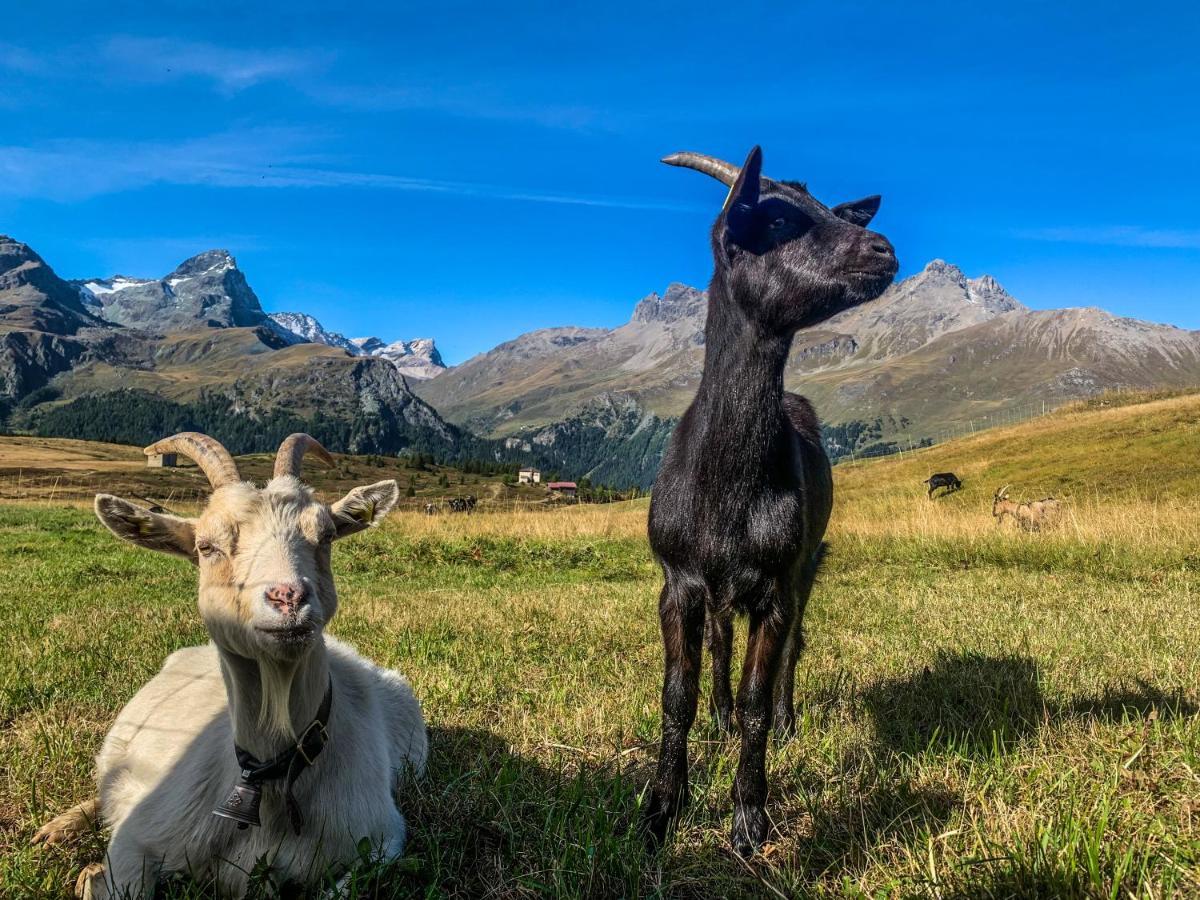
x=1116, y=446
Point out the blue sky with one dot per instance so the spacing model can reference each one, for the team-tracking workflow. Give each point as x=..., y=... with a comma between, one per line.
x=470, y=171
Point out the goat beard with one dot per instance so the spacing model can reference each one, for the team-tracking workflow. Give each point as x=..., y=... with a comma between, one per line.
x=275, y=694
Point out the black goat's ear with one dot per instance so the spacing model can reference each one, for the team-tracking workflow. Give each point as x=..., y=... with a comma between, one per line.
x=858, y=212
x=742, y=201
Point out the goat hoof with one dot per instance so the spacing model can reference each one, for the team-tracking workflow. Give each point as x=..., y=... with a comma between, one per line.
x=657, y=820
x=85, y=884
x=749, y=830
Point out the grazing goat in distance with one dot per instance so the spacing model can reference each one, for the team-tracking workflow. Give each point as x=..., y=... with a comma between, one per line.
x=947, y=480
x=1033, y=516
x=232, y=725
x=745, y=490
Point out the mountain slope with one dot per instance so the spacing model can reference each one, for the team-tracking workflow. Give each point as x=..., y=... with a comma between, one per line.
x=32, y=297
x=933, y=350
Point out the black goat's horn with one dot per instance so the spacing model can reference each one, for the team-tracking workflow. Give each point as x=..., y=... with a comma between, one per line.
x=291, y=453
x=208, y=453
x=724, y=172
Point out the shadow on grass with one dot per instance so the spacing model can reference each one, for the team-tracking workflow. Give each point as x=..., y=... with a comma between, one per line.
x=966, y=704
x=489, y=821
x=978, y=706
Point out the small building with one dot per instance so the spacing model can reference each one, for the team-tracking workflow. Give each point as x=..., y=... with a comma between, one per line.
x=529, y=476
x=566, y=488
x=162, y=461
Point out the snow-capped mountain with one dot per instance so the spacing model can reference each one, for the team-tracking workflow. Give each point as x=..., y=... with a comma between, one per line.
x=207, y=290
x=418, y=358
x=301, y=328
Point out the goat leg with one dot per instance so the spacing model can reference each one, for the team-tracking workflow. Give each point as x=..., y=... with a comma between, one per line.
x=79, y=819
x=718, y=635
x=784, y=721
x=769, y=631
x=681, y=614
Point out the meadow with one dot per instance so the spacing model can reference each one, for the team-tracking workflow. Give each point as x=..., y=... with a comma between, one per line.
x=982, y=712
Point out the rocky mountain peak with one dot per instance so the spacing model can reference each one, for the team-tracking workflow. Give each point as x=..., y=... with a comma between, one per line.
x=988, y=292
x=418, y=358
x=939, y=269
x=204, y=263
x=206, y=291
x=679, y=301
x=33, y=296
x=13, y=253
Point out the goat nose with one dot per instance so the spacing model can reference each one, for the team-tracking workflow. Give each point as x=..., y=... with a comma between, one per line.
x=287, y=596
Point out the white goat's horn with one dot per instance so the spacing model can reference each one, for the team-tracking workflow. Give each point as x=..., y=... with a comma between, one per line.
x=724, y=172
x=291, y=453
x=212, y=458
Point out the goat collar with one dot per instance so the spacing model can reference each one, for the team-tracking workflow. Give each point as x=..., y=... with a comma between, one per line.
x=243, y=800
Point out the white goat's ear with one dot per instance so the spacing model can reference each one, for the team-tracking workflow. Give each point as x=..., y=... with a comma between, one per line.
x=154, y=531
x=364, y=507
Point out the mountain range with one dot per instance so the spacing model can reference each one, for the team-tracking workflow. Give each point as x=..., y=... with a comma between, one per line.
x=126, y=358
x=932, y=351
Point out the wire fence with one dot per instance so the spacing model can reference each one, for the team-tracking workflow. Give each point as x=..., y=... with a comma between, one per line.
x=900, y=445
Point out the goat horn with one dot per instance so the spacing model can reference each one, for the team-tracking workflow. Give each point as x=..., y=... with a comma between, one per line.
x=291, y=453
x=1003, y=490
x=724, y=172
x=212, y=458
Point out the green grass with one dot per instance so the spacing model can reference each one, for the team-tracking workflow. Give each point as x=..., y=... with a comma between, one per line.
x=983, y=712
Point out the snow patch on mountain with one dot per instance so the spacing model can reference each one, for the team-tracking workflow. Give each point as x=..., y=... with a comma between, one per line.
x=418, y=358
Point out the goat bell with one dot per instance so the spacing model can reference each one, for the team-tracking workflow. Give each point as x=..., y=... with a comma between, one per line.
x=241, y=804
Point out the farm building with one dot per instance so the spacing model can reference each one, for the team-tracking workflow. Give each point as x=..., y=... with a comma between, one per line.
x=566, y=488
x=529, y=476
x=162, y=461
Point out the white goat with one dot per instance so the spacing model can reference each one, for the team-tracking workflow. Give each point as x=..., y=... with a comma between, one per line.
x=270, y=684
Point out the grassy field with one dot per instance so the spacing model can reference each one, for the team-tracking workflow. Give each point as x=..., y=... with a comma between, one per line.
x=69, y=471
x=983, y=712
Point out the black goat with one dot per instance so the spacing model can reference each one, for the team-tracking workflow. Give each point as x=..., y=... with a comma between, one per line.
x=463, y=504
x=947, y=480
x=741, y=502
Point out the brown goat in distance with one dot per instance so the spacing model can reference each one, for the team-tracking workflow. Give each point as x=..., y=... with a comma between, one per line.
x=1033, y=516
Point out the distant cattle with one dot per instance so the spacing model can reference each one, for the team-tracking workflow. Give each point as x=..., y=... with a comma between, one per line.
x=430, y=509
x=947, y=480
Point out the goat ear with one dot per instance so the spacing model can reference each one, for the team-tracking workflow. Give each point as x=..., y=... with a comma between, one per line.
x=858, y=212
x=742, y=201
x=364, y=507
x=154, y=531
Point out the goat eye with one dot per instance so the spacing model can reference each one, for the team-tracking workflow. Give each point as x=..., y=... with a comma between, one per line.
x=779, y=224
x=206, y=548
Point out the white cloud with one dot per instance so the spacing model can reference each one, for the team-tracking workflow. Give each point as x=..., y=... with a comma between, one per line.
x=231, y=68
x=1117, y=236
x=74, y=170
